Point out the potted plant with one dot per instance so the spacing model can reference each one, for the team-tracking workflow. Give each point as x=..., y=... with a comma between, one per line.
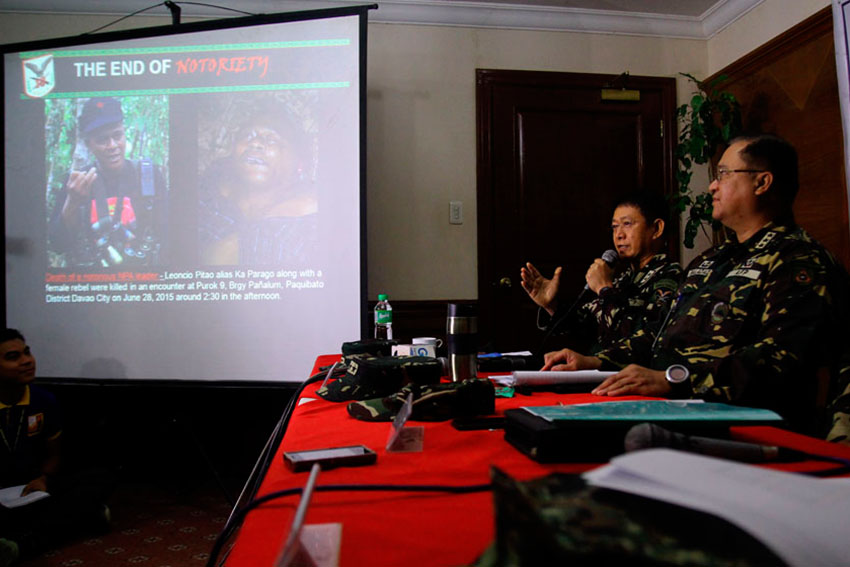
x=708, y=122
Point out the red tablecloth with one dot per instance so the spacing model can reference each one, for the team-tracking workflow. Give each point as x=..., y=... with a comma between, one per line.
x=388, y=528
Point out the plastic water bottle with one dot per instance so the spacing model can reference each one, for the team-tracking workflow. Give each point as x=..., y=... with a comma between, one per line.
x=383, y=318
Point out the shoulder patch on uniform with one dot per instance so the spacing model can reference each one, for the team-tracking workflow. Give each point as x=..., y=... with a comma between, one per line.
x=719, y=312
x=802, y=276
x=661, y=292
x=667, y=284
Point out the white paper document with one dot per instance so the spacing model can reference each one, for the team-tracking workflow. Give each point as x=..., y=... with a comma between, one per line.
x=802, y=519
x=552, y=377
x=10, y=497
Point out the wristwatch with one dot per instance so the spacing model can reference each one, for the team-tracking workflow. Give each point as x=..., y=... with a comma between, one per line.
x=676, y=374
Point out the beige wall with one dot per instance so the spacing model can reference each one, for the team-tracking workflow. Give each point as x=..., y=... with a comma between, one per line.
x=421, y=122
x=15, y=28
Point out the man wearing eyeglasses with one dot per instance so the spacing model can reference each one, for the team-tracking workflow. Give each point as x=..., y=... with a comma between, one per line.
x=111, y=212
x=754, y=317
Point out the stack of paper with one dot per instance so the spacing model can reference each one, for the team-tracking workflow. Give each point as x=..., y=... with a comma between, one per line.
x=802, y=519
x=10, y=497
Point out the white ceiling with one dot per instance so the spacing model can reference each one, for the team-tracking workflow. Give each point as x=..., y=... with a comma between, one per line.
x=698, y=19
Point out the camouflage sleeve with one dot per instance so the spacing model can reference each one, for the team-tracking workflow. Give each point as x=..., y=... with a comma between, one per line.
x=839, y=394
x=795, y=302
x=636, y=346
x=840, y=408
x=661, y=291
x=612, y=304
x=636, y=349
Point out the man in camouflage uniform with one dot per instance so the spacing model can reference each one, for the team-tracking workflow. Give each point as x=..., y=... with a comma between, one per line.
x=752, y=319
x=637, y=292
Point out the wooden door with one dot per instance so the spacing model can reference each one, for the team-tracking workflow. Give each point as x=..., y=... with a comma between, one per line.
x=553, y=157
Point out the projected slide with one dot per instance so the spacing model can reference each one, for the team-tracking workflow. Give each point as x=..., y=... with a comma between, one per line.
x=186, y=207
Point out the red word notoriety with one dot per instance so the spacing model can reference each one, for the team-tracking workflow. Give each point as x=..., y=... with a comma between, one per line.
x=219, y=65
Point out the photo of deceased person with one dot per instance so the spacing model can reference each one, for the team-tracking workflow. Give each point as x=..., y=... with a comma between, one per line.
x=107, y=193
x=258, y=161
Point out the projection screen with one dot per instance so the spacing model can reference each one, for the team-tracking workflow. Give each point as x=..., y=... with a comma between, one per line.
x=187, y=206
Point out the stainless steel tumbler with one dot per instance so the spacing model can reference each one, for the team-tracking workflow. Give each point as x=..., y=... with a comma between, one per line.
x=462, y=341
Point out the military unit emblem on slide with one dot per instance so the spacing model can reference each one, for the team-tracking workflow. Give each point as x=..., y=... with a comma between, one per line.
x=39, y=78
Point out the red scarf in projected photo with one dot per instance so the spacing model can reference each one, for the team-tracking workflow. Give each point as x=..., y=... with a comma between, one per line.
x=127, y=213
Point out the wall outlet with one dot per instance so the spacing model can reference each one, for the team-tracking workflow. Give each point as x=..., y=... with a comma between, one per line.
x=455, y=212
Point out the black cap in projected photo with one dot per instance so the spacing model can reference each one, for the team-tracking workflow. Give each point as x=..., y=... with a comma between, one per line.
x=99, y=112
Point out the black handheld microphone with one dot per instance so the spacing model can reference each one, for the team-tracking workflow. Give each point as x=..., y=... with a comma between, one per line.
x=649, y=435
x=610, y=257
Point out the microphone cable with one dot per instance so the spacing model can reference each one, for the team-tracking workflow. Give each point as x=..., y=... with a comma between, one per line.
x=263, y=462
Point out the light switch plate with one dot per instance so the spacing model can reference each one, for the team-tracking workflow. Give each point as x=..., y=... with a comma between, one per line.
x=455, y=212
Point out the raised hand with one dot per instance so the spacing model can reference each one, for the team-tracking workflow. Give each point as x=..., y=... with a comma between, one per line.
x=77, y=189
x=541, y=290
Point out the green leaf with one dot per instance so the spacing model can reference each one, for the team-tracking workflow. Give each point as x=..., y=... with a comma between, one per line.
x=690, y=233
x=711, y=119
x=697, y=102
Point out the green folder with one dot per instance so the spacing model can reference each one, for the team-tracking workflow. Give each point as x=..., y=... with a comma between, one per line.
x=655, y=410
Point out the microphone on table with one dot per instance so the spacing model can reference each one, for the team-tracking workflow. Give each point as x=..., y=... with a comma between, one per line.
x=650, y=435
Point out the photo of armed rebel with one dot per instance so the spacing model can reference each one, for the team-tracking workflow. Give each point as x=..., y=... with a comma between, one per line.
x=107, y=181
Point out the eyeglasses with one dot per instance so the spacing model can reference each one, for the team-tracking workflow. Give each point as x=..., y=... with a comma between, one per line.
x=724, y=173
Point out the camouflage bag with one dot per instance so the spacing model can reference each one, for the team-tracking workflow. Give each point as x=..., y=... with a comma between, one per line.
x=374, y=347
x=559, y=520
x=373, y=376
x=431, y=402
